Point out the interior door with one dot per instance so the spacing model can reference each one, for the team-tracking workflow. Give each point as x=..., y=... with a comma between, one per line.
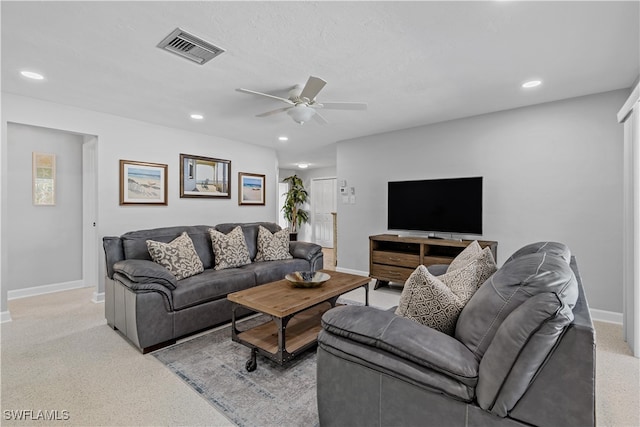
x=323, y=202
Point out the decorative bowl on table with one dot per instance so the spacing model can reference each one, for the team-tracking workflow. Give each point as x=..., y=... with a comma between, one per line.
x=307, y=279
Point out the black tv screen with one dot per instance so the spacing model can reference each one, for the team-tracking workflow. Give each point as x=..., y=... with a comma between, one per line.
x=452, y=205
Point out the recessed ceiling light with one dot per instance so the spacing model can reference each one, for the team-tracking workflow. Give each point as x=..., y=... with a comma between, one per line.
x=531, y=83
x=197, y=116
x=32, y=75
x=303, y=165
x=283, y=138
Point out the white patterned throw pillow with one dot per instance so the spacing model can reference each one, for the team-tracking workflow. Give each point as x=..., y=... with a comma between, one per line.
x=229, y=250
x=468, y=254
x=179, y=256
x=273, y=246
x=436, y=301
x=428, y=301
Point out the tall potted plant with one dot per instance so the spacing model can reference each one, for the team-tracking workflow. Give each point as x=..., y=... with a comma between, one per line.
x=296, y=197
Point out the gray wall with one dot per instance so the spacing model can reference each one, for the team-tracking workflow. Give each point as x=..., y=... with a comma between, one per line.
x=45, y=242
x=551, y=172
x=122, y=138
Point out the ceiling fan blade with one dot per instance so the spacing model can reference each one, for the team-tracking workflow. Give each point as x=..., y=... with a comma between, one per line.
x=253, y=92
x=312, y=88
x=272, y=112
x=344, y=105
x=318, y=118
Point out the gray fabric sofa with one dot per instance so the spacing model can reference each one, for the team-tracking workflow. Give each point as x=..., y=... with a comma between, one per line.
x=523, y=354
x=151, y=309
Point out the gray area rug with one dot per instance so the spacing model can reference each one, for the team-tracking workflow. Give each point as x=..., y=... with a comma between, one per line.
x=214, y=366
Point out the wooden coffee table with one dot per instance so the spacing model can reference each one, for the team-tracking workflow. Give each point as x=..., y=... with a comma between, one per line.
x=295, y=314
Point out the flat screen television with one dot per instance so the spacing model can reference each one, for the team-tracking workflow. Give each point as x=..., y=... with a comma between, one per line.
x=450, y=205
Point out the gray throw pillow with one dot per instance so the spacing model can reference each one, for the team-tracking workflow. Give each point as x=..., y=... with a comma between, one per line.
x=273, y=246
x=179, y=256
x=229, y=250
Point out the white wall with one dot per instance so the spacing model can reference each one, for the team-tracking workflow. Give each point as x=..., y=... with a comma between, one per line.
x=551, y=172
x=36, y=233
x=121, y=138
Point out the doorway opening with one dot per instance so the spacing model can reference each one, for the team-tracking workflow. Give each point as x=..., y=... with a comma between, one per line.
x=323, y=207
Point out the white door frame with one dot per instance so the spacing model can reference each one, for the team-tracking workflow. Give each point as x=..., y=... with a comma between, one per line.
x=90, y=241
x=313, y=216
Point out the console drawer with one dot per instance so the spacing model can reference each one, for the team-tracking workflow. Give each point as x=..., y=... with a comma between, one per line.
x=395, y=258
x=390, y=273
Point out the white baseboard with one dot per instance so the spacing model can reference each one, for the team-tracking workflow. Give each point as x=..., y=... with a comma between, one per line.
x=606, y=316
x=44, y=289
x=350, y=271
x=98, y=297
x=5, y=316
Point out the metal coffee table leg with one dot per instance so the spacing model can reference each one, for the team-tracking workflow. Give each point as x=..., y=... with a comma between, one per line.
x=252, y=363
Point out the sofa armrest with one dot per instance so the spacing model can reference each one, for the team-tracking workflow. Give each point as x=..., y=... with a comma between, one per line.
x=141, y=271
x=304, y=250
x=404, y=339
x=113, y=252
x=138, y=287
x=518, y=351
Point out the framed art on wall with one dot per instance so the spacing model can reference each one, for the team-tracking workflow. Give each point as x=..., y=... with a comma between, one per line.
x=43, y=166
x=143, y=183
x=204, y=177
x=251, y=189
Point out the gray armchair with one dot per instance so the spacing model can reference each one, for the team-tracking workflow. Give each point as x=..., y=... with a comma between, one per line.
x=523, y=354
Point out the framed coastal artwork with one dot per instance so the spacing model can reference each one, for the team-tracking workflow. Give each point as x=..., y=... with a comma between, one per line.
x=204, y=177
x=143, y=183
x=43, y=166
x=250, y=189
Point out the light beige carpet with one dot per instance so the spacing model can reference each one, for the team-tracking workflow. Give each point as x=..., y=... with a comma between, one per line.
x=58, y=354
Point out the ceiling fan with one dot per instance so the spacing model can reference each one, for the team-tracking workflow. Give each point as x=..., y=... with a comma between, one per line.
x=302, y=102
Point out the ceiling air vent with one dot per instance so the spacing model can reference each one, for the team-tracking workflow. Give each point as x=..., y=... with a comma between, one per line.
x=190, y=47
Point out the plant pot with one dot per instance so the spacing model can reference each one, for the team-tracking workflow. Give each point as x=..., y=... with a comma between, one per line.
x=293, y=237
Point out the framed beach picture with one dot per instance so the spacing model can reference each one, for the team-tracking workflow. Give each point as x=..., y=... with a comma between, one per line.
x=43, y=166
x=204, y=177
x=143, y=183
x=250, y=189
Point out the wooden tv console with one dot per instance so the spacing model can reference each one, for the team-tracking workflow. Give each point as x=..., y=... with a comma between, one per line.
x=393, y=258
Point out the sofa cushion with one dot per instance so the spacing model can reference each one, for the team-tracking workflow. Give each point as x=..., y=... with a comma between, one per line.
x=230, y=250
x=271, y=271
x=510, y=286
x=272, y=246
x=134, y=243
x=250, y=230
x=553, y=248
x=406, y=340
x=468, y=254
x=211, y=285
x=437, y=301
x=178, y=256
x=145, y=271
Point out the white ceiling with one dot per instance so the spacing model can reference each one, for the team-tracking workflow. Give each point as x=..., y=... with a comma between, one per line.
x=414, y=63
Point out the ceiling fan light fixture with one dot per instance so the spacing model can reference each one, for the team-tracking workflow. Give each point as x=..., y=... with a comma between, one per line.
x=32, y=75
x=531, y=83
x=301, y=113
